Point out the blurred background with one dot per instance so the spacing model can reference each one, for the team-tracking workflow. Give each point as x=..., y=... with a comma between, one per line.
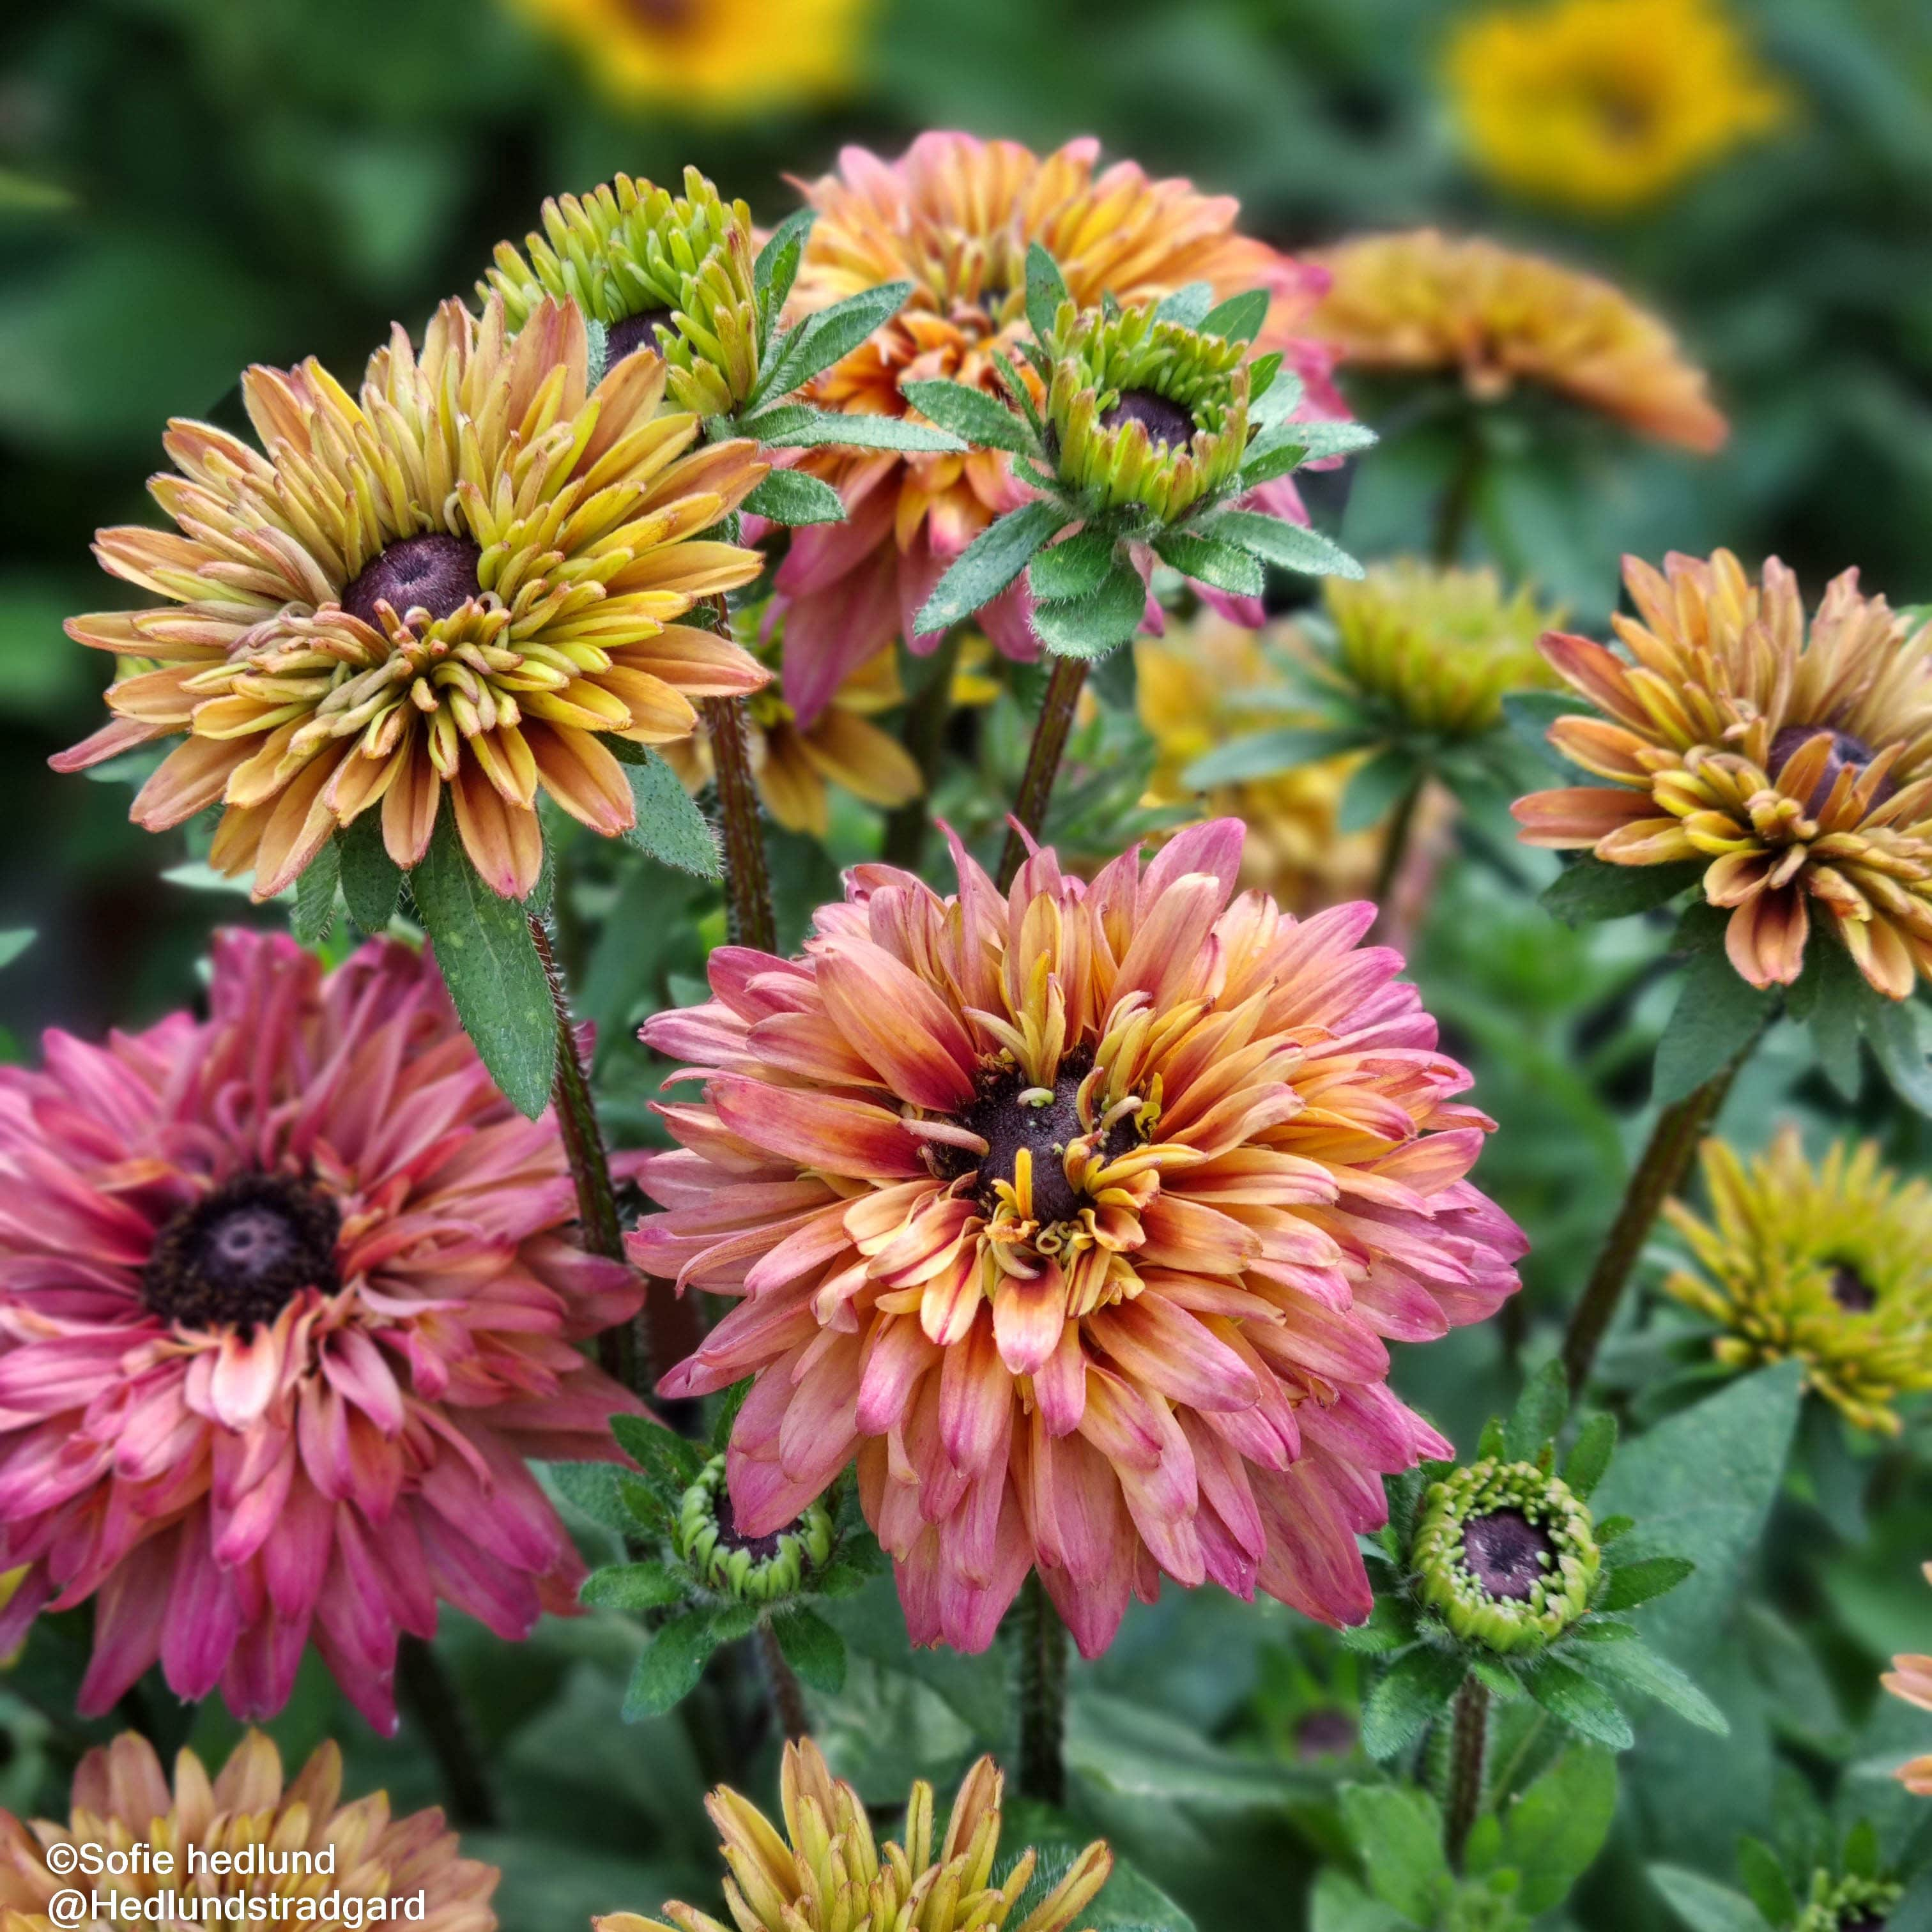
x=189, y=185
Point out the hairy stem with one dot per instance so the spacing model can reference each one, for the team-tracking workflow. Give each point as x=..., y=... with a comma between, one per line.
x=429, y=1693
x=788, y=1695
x=1658, y=1173
x=1042, y=1696
x=1468, y=1746
x=925, y=737
x=1042, y=765
x=747, y=879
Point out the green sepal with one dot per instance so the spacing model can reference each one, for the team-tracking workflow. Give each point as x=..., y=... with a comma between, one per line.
x=668, y=1672
x=592, y=1488
x=1589, y=1456
x=1390, y=1625
x=1045, y=291
x=1539, y=1414
x=989, y=563
x=1091, y=626
x=648, y=1586
x=1225, y=566
x=1076, y=566
x=1189, y=306
x=1239, y=319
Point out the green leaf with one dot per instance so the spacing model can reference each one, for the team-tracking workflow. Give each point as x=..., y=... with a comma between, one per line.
x=1274, y=393
x=669, y=826
x=1339, y=1904
x=1529, y=714
x=1588, y=888
x=1539, y=1413
x=1861, y=1852
x=776, y=268
x=820, y=340
x=1274, y=540
x=1703, y=1904
x=645, y=1507
x=1572, y=1698
x=315, y=896
x=971, y=415
x=1637, y=1667
x=1275, y=452
x=1409, y=1697
x=791, y=497
x=1239, y=319
x=1718, y=1015
x=1552, y=1833
x=812, y=1647
x=371, y=881
x=1045, y=290
x=800, y=426
x=1190, y=305
x=15, y=941
x=1398, y=1833
x=1837, y=1007
x=1637, y=1582
x=672, y=1462
x=1589, y=1457
x=1224, y=565
x=1376, y=788
x=1765, y=1879
x=1129, y=1902
x=1913, y=1913
x=632, y=1586
x=1333, y=439
x=592, y=1487
x=989, y=563
x=672, y=1663
x=1076, y=566
x=1265, y=753
x=490, y=965
x=1090, y=627
x=1892, y=1027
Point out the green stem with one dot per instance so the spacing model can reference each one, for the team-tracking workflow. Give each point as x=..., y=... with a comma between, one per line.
x=748, y=880
x=1042, y=1696
x=1468, y=1746
x=1395, y=843
x=925, y=737
x=1042, y=766
x=1659, y=1172
x=788, y=1696
x=1459, y=495
x=430, y=1694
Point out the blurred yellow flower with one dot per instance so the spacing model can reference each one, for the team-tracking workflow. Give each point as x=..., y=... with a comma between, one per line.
x=1421, y=301
x=1214, y=681
x=725, y=59
x=1606, y=104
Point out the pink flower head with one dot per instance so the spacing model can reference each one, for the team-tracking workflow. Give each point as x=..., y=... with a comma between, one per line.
x=1082, y=1216
x=286, y=1299
x=955, y=216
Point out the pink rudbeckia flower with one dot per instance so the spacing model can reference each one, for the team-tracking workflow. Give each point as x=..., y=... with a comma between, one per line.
x=1082, y=1217
x=286, y=1297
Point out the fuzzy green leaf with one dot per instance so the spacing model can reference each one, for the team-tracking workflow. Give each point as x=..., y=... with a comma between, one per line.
x=1090, y=627
x=820, y=340
x=1589, y=889
x=1333, y=439
x=1408, y=1698
x=1239, y=319
x=671, y=1461
x=1635, y=1666
x=970, y=414
x=669, y=826
x=800, y=426
x=315, y=895
x=1045, y=290
x=1076, y=566
x=1398, y=1834
x=592, y=1488
x=1553, y=1832
x=1765, y=1879
x=490, y=965
x=1190, y=305
x=1339, y=1904
x=668, y=1671
x=371, y=881
x=989, y=563
x=1704, y=1905
x=632, y=1586
x=1574, y=1699
x=791, y=497
x=1538, y=1414
x=812, y=1647
x=1223, y=565
x=1637, y=1582
x=1718, y=1015
x=1590, y=1455
x=1837, y=1005
x=1892, y=1027
x=1271, y=403
x=776, y=267
x=1291, y=545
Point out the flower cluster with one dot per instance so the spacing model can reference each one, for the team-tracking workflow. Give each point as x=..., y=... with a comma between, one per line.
x=286, y=1297
x=1080, y=1216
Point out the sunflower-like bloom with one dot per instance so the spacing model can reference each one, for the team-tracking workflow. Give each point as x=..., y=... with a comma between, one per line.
x=1081, y=1215
x=1824, y=1262
x=286, y=1297
x=459, y=580
x=1910, y=1679
x=725, y=59
x=955, y=216
x=1211, y=683
x=1423, y=301
x=825, y=1872
x=1145, y=414
x=1439, y=648
x=316, y=1848
x=670, y=273
x=793, y=764
x=1606, y=104
x=1797, y=769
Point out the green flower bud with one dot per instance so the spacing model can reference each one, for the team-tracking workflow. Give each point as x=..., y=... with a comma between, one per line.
x=754, y=1569
x=1144, y=415
x=1847, y=1904
x=1506, y=1555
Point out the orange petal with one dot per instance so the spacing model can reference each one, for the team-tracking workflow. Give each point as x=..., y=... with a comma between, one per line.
x=504, y=842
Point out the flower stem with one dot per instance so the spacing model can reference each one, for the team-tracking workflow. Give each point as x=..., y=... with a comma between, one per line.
x=1468, y=1746
x=748, y=881
x=788, y=1695
x=1395, y=844
x=1459, y=495
x=1042, y=1696
x=1657, y=1176
x=431, y=1695
x=925, y=739
x=1042, y=765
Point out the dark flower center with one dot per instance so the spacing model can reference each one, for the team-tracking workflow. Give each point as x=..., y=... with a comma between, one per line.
x=238, y=1257
x=1845, y=751
x=1503, y=1552
x=762, y=1548
x=436, y=573
x=1165, y=421
x=1324, y=1734
x=634, y=331
x=1851, y=1290
x=1866, y=1921
x=1008, y=1122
